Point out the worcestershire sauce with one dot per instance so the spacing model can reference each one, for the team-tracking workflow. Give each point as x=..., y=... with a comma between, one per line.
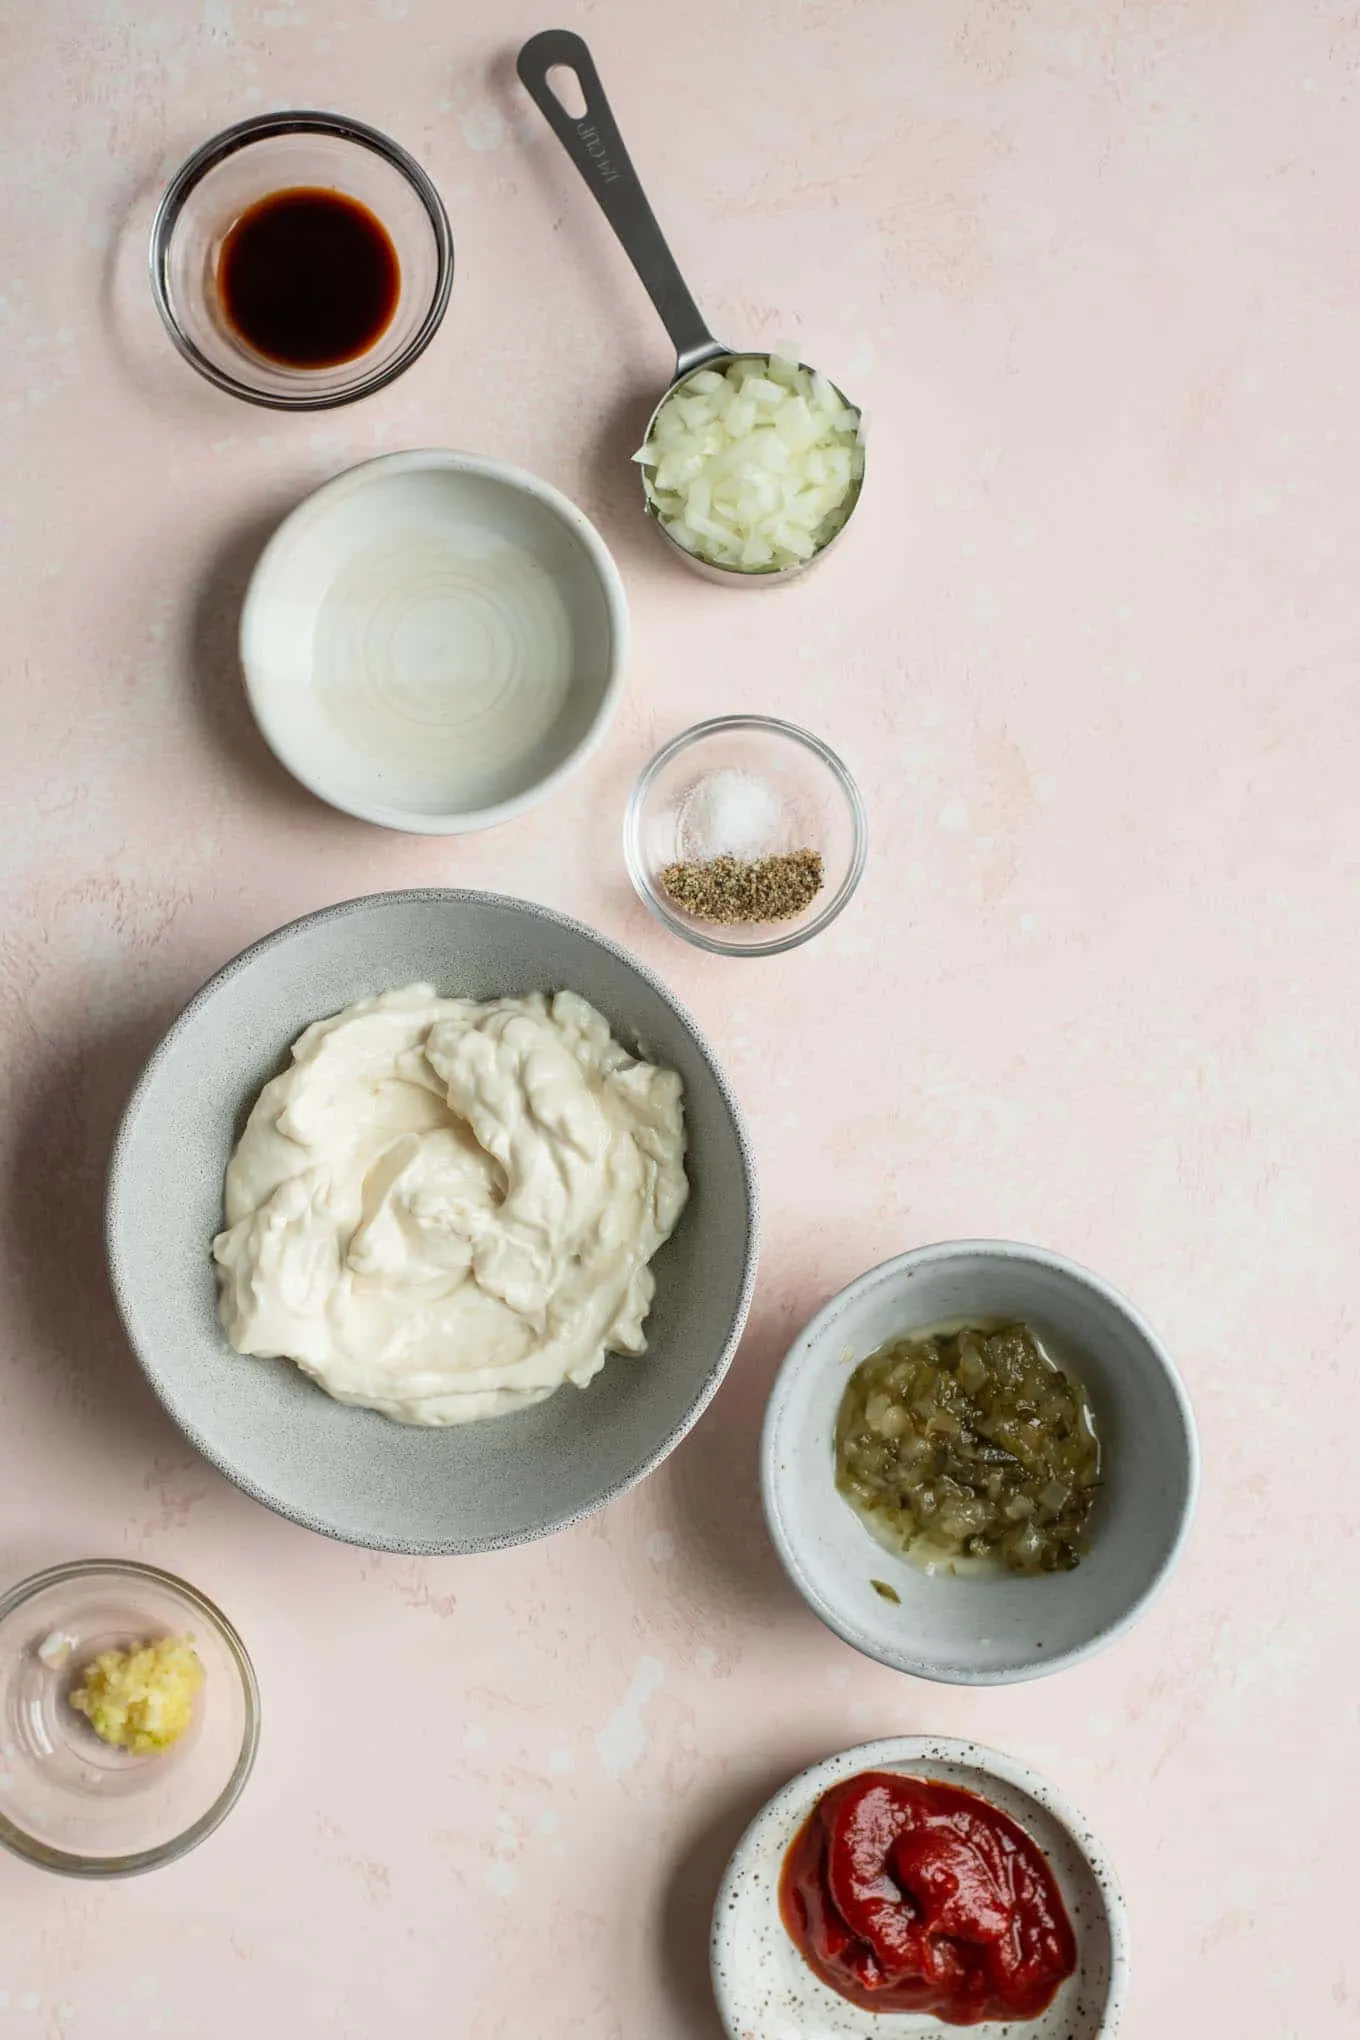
x=309, y=278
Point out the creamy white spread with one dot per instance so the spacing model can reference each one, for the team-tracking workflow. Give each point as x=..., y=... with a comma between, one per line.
x=443, y=1210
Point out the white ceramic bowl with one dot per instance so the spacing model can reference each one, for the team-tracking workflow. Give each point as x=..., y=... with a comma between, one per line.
x=433, y=641
x=983, y=1631
x=766, y=1991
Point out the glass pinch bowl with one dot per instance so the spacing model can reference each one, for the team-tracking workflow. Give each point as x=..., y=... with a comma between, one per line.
x=821, y=809
x=254, y=160
x=72, y=1803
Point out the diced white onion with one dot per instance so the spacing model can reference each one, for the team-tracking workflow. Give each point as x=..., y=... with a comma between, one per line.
x=753, y=466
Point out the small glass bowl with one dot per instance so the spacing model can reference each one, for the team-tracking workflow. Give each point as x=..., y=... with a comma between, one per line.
x=277, y=152
x=72, y=1803
x=823, y=811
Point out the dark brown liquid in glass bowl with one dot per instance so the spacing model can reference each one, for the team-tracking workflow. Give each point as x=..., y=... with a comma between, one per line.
x=309, y=278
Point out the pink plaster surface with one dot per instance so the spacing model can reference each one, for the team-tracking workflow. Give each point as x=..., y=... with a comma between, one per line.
x=1094, y=268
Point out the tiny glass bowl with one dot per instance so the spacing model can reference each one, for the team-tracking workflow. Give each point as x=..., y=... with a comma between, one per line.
x=281, y=152
x=73, y=1803
x=821, y=806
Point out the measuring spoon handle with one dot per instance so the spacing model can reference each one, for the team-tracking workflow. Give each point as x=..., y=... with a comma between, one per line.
x=596, y=148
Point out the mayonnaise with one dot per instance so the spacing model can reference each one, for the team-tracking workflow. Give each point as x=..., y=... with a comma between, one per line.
x=443, y=1210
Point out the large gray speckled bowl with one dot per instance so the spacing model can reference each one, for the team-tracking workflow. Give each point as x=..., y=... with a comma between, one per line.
x=766, y=1991
x=349, y=1472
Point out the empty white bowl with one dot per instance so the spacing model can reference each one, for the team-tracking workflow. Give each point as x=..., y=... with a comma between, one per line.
x=433, y=641
x=984, y=1630
x=764, y=1986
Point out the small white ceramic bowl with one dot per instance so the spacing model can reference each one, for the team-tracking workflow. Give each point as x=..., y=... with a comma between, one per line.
x=433, y=641
x=992, y=1630
x=766, y=1991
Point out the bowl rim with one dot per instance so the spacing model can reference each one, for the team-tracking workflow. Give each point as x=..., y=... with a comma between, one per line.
x=798, y=1357
x=440, y=460
x=263, y=127
x=115, y=1224
x=920, y=1751
x=30, y=1848
x=768, y=725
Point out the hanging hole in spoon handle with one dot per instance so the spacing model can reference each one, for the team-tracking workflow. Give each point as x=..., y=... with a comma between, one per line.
x=595, y=146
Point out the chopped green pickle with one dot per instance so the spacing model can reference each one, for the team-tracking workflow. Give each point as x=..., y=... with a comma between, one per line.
x=970, y=1445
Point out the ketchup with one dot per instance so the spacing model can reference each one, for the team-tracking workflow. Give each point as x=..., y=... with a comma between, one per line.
x=909, y=1895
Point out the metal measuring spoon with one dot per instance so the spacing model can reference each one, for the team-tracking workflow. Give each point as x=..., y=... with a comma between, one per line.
x=595, y=146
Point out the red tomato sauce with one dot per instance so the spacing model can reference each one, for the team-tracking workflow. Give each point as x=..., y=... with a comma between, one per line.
x=908, y=1895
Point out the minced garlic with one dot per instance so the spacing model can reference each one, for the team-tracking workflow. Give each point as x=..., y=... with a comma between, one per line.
x=142, y=1699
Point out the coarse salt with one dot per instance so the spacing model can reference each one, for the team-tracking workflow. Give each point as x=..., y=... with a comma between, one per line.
x=732, y=814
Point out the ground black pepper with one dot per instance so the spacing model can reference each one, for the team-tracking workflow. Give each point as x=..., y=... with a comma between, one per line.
x=732, y=889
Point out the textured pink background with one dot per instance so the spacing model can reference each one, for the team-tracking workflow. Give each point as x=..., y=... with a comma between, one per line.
x=1094, y=267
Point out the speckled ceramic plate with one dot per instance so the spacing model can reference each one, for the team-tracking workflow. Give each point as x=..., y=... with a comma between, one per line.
x=349, y=1472
x=765, y=1989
